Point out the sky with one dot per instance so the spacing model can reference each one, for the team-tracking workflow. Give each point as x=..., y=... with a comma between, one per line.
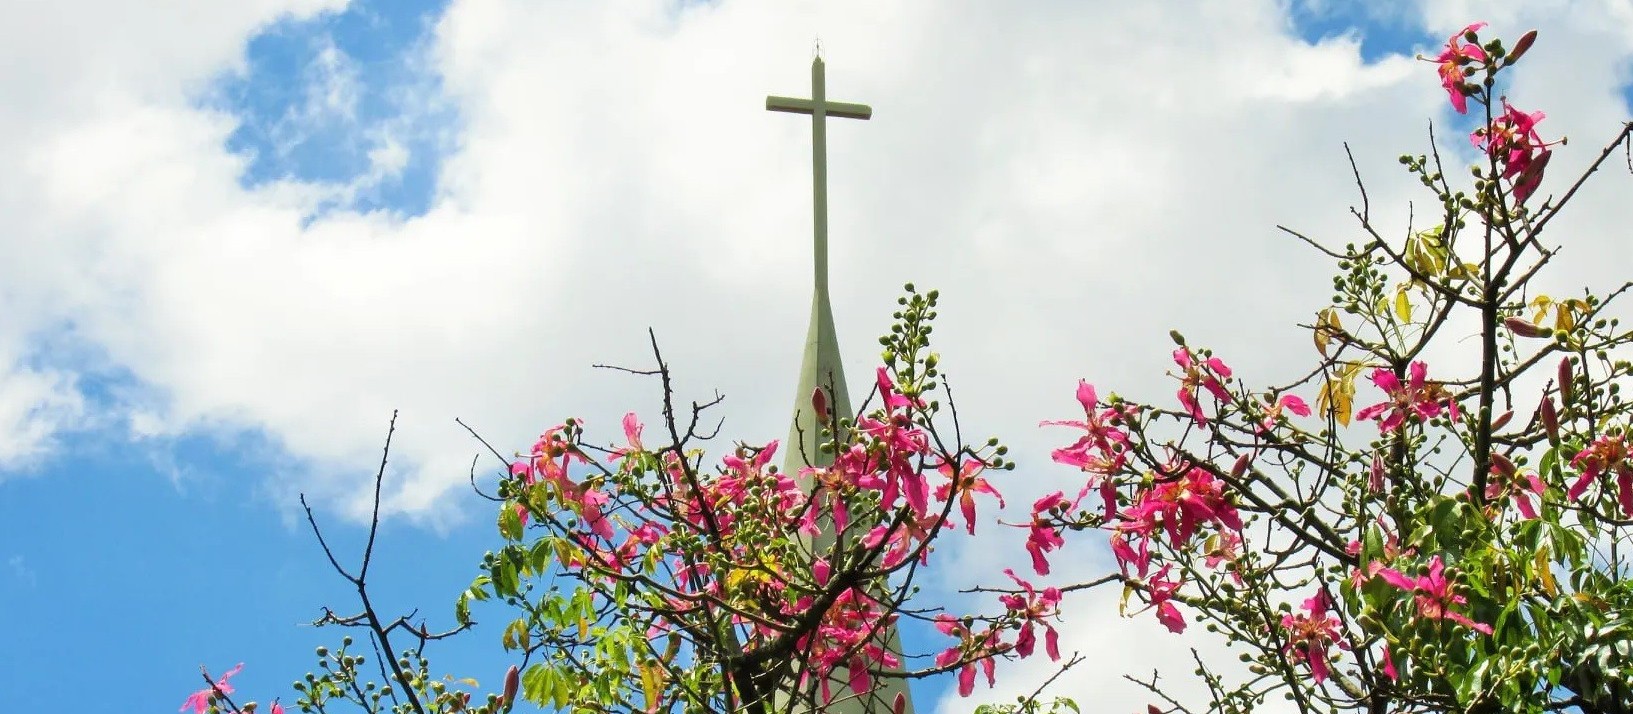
x=234, y=237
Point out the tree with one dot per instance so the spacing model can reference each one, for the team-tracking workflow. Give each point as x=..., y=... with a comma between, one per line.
x=1457, y=546
x=1444, y=549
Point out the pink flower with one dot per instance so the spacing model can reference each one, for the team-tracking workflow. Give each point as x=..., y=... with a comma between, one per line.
x=979, y=646
x=1418, y=398
x=1606, y=454
x=1138, y=554
x=1287, y=402
x=1033, y=608
x=1161, y=591
x=1227, y=547
x=1512, y=140
x=1044, y=537
x=199, y=701
x=1452, y=59
x=1209, y=374
x=1188, y=502
x=1389, y=665
x=1433, y=594
x=632, y=435
x=1508, y=481
x=1311, y=633
x=967, y=483
x=1101, y=452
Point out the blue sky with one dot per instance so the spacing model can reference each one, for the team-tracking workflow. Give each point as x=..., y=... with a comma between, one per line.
x=149, y=505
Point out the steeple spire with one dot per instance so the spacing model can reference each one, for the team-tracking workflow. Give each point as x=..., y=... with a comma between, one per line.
x=821, y=367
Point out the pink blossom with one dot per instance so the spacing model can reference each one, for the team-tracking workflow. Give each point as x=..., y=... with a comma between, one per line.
x=1606, y=454
x=1506, y=480
x=632, y=436
x=1418, y=398
x=1161, y=591
x=199, y=701
x=1044, y=537
x=1512, y=140
x=1209, y=374
x=1433, y=594
x=1140, y=530
x=967, y=483
x=1033, y=607
x=1227, y=547
x=1102, y=451
x=1287, y=402
x=980, y=646
x=1452, y=59
x=1311, y=633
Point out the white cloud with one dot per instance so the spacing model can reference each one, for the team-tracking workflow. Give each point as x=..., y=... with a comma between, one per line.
x=1076, y=178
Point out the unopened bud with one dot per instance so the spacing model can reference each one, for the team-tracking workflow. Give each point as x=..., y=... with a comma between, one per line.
x=1240, y=466
x=1521, y=46
x=1526, y=328
x=513, y=680
x=1500, y=464
x=819, y=405
x=1502, y=421
x=1550, y=419
x=1566, y=386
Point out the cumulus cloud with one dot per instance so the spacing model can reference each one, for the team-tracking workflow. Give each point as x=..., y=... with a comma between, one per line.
x=1075, y=177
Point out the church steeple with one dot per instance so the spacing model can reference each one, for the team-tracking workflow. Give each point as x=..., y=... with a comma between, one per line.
x=821, y=366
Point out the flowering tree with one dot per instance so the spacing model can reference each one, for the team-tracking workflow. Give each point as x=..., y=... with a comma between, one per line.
x=1442, y=549
x=1459, y=545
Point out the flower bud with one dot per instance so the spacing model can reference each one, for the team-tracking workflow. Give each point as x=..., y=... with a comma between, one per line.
x=1521, y=46
x=1500, y=464
x=513, y=680
x=1566, y=386
x=1240, y=467
x=1550, y=419
x=1526, y=328
x=1502, y=421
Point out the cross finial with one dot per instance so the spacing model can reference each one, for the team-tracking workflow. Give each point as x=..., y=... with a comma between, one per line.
x=820, y=109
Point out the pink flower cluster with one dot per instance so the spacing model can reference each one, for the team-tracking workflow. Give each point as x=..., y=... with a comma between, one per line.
x=1511, y=138
x=890, y=455
x=1176, y=505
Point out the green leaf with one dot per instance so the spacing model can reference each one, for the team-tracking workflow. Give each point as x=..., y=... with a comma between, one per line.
x=510, y=524
x=462, y=609
x=538, y=685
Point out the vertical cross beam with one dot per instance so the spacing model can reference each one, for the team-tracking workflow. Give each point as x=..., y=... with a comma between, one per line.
x=820, y=109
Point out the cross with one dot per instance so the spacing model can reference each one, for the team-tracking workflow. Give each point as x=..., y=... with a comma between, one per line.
x=820, y=109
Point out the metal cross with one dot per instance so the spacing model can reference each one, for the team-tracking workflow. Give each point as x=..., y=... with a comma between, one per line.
x=820, y=109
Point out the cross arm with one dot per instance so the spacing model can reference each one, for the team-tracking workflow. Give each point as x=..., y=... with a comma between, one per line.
x=805, y=106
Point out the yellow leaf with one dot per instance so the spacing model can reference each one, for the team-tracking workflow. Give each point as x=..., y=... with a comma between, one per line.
x=1541, y=303
x=1545, y=573
x=1326, y=325
x=1403, y=305
x=1565, y=314
x=651, y=683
